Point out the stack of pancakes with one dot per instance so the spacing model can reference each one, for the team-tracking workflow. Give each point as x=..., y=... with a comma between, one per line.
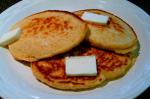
x=50, y=36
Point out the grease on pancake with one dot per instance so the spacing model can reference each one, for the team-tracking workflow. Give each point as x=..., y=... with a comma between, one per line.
x=117, y=35
x=46, y=34
x=52, y=71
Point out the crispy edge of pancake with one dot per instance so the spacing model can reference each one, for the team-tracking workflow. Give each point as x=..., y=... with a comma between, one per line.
x=122, y=72
x=126, y=50
x=117, y=50
x=132, y=57
x=68, y=86
x=31, y=58
x=118, y=72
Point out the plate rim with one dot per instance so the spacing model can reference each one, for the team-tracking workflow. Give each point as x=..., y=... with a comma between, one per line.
x=126, y=1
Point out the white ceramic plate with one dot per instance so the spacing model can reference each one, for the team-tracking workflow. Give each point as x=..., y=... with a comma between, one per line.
x=17, y=81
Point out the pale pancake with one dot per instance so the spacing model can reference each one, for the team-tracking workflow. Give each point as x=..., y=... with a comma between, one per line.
x=124, y=51
x=46, y=34
x=109, y=65
x=117, y=35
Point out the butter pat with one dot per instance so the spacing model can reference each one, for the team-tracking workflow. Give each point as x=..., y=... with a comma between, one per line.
x=102, y=19
x=10, y=37
x=81, y=66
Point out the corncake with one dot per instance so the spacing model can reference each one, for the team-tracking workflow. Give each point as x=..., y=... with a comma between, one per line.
x=109, y=65
x=116, y=36
x=49, y=37
x=46, y=34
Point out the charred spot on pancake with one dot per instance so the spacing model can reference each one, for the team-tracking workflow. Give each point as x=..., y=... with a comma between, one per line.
x=51, y=24
x=37, y=20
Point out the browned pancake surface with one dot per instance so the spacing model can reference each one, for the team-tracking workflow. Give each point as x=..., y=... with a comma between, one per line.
x=52, y=71
x=47, y=34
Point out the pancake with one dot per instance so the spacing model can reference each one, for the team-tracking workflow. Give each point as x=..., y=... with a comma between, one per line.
x=110, y=66
x=46, y=34
x=116, y=36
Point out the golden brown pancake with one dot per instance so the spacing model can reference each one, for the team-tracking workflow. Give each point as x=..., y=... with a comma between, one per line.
x=46, y=34
x=52, y=71
x=117, y=35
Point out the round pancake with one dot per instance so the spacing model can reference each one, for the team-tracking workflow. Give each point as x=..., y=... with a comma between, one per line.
x=117, y=35
x=52, y=71
x=46, y=34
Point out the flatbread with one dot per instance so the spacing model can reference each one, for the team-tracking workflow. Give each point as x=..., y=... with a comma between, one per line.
x=46, y=34
x=116, y=36
x=51, y=71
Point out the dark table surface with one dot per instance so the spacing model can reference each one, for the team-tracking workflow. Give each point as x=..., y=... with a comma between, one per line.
x=144, y=4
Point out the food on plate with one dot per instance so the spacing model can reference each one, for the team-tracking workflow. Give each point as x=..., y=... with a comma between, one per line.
x=46, y=34
x=70, y=51
x=116, y=36
x=110, y=65
x=10, y=37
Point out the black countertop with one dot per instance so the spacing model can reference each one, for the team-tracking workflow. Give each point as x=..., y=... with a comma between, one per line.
x=144, y=4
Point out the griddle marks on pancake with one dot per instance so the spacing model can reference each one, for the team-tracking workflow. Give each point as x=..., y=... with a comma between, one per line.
x=51, y=67
x=54, y=68
x=110, y=62
x=116, y=26
x=55, y=72
x=111, y=23
x=51, y=23
x=107, y=60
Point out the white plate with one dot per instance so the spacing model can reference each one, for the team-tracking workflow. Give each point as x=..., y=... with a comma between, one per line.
x=17, y=81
